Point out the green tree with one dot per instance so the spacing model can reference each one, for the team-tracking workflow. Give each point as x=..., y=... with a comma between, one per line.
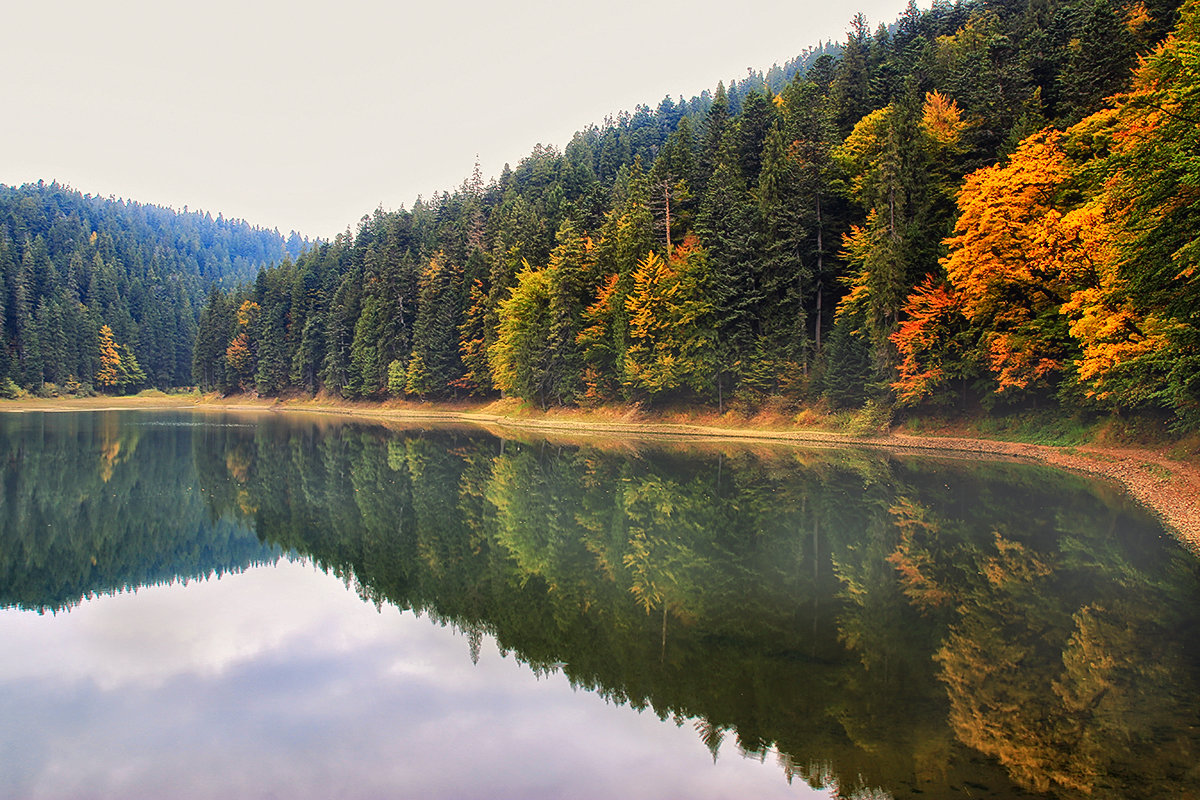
x=272, y=329
x=849, y=377
x=521, y=357
x=728, y=229
x=438, y=319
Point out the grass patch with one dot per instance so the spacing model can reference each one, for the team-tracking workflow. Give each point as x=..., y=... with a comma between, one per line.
x=873, y=419
x=1157, y=470
x=1037, y=427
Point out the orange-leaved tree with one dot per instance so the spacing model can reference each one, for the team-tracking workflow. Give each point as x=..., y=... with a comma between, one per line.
x=934, y=344
x=240, y=360
x=119, y=369
x=1141, y=326
x=602, y=342
x=1005, y=265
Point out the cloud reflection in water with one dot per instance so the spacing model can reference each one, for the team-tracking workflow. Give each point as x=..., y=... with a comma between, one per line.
x=280, y=682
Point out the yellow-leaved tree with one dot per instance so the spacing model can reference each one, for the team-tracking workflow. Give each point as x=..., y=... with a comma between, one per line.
x=119, y=369
x=670, y=323
x=108, y=375
x=1001, y=264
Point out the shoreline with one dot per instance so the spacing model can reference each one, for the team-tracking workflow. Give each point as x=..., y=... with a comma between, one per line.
x=1169, y=488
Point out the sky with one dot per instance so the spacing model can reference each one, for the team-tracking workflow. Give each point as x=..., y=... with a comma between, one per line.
x=306, y=116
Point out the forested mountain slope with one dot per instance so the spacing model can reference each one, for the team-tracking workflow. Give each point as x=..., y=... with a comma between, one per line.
x=71, y=264
x=987, y=202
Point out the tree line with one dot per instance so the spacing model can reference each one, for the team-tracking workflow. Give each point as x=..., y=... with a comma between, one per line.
x=104, y=294
x=870, y=228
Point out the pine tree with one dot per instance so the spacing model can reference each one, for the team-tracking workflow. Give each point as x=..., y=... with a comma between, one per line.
x=130, y=376
x=851, y=88
x=809, y=135
x=754, y=124
x=338, y=332
x=715, y=124
x=728, y=229
x=848, y=377
x=786, y=278
x=367, y=374
x=570, y=273
x=1100, y=63
x=272, y=327
x=214, y=332
x=435, y=329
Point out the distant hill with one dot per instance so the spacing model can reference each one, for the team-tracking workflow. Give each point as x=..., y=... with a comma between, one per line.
x=71, y=263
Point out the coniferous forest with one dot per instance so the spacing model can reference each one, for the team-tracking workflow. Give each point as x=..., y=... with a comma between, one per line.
x=986, y=204
x=104, y=294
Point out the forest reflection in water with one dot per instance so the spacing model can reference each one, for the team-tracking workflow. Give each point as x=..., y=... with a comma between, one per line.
x=911, y=625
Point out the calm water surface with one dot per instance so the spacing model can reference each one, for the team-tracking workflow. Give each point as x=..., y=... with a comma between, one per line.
x=203, y=605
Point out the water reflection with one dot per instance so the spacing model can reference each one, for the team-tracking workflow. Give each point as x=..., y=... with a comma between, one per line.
x=914, y=625
x=303, y=691
x=85, y=509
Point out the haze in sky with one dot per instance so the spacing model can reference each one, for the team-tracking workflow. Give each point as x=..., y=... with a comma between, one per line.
x=305, y=116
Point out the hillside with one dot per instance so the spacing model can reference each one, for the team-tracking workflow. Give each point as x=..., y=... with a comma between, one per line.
x=987, y=205
x=72, y=263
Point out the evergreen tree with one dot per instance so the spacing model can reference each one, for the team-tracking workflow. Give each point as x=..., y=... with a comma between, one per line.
x=851, y=87
x=786, y=278
x=340, y=319
x=848, y=376
x=435, y=330
x=728, y=229
x=71, y=261
x=273, y=292
x=214, y=332
x=1100, y=63
x=571, y=276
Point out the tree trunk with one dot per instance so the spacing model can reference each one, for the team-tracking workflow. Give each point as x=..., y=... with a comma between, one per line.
x=820, y=271
x=667, y=204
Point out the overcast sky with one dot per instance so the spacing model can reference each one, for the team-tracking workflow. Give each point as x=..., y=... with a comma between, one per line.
x=305, y=116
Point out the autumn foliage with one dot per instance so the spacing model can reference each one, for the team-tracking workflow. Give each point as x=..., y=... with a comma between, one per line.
x=1075, y=266
x=984, y=205
x=119, y=370
x=110, y=361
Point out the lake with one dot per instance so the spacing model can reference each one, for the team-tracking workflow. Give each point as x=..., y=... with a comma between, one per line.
x=202, y=604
